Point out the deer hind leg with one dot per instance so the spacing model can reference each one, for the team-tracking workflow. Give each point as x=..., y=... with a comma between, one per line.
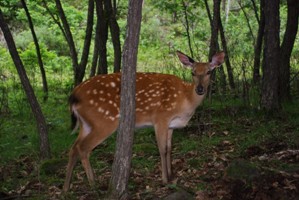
x=73, y=158
x=93, y=139
x=162, y=135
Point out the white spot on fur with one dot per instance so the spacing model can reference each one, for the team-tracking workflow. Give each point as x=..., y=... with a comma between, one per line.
x=112, y=84
x=101, y=110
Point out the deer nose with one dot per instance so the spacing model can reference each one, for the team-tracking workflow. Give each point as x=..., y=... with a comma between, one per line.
x=200, y=90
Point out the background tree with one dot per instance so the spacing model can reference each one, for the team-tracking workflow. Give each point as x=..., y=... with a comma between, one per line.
x=187, y=26
x=122, y=160
x=78, y=67
x=115, y=33
x=259, y=43
x=214, y=45
x=35, y=107
x=269, y=95
x=106, y=17
x=286, y=50
x=38, y=52
x=227, y=55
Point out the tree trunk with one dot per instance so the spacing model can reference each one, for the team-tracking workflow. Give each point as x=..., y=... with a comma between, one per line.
x=103, y=36
x=227, y=61
x=70, y=41
x=55, y=19
x=255, y=11
x=87, y=41
x=35, y=107
x=209, y=13
x=122, y=161
x=247, y=20
x=96, y=47
x=115, y=34
x=258, y=45
x=187, y=28
x=215, y=27
x=286, y=50
x=214, y=45
x=39, y=56
x=269, y=97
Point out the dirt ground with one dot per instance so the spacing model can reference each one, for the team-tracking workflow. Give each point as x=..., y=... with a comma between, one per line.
x=253, y=176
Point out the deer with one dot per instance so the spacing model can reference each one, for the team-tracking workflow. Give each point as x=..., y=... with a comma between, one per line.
x=163, y=101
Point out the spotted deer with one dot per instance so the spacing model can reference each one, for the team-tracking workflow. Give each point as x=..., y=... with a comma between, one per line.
x=163, y=101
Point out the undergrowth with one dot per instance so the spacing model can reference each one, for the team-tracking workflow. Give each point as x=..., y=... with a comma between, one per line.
x=218, y=126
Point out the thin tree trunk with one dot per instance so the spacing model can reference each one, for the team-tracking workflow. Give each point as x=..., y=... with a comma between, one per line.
x=187, y=28
x=95, y=57
x=215, y=27
x=227, y=61
x=258, y=45
x=122, y=161
x=214, y=45
x=70, y=41
x=103, y=37
x=115, y=34
x=56, y=20
x=209, y=13
x=87, y=41
x=269, y=97
x=255, y=11
x=247, y=21
x=35, y=107
x=286, y=50
x=38, y=52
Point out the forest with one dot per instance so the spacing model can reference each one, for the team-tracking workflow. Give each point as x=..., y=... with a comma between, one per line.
x=242, y=142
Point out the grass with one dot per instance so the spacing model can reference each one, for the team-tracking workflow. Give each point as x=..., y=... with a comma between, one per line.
x=225, y=125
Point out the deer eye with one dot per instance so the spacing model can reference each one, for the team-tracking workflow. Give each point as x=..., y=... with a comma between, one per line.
x=192, y=73
x=209, y=72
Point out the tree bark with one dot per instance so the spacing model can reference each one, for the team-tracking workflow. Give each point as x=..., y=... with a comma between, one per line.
x=38, y=52
x=187, y=28
x=122, y=161
x=208, y=12
x=103, y=37
x=55, y=19
x=286, y=50
x=255, y=11
x=247, y=20
x=227, y=61
x=269, y=97
x=70, y=41
x=96, y=47
x=214, y=45
x=87, y=41
x=115, y=34
x=35, y=107
x=258, y=45
x=215, y=27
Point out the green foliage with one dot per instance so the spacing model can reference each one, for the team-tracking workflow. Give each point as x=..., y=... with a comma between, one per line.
x=228, y=127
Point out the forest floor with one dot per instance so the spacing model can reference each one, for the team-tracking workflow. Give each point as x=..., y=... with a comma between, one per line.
x=248, y=158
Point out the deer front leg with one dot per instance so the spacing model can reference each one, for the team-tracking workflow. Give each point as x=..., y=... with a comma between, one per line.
x=161, y=135
x=168, y=153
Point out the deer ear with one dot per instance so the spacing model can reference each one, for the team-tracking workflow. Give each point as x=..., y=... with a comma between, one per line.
x=217, y=60
x=186, y=60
